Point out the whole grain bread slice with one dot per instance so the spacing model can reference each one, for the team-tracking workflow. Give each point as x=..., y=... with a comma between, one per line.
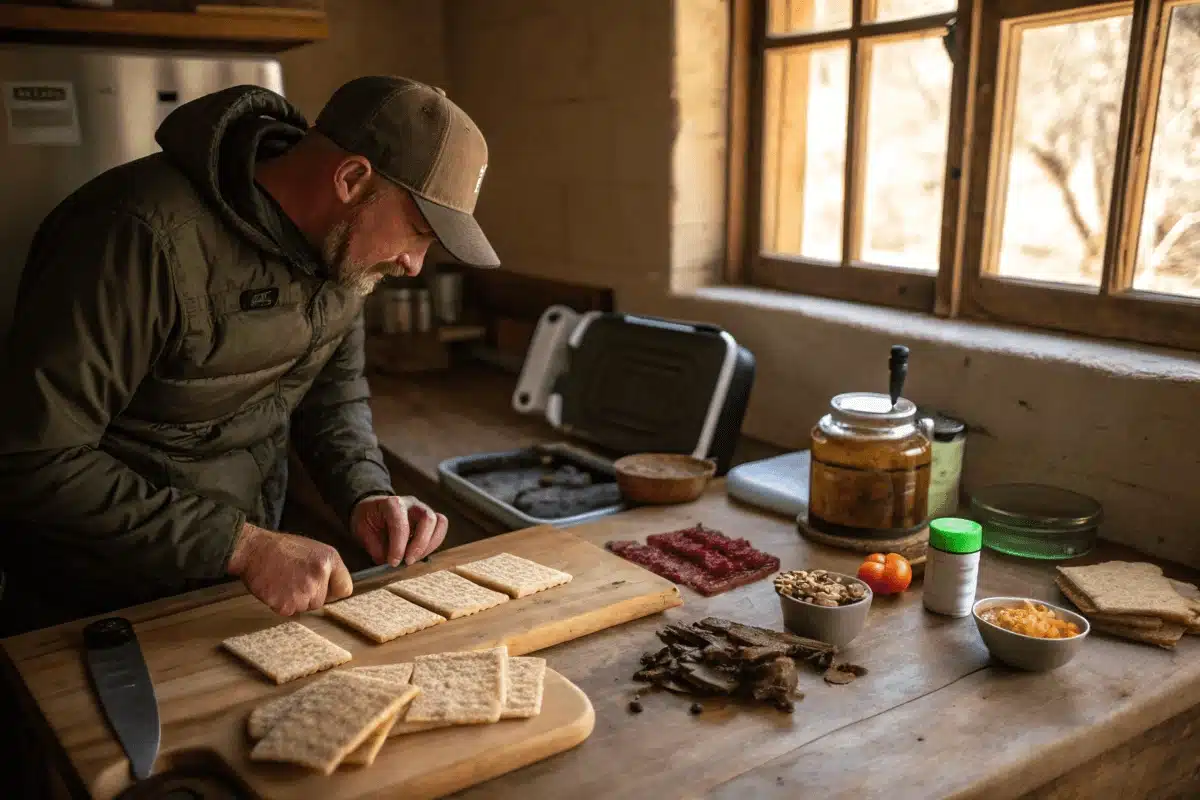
x=1118, y=587
x=287, y=652
x=331, y=721
x=513, y=575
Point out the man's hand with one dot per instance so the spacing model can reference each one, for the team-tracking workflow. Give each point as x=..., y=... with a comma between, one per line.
x=290, y=574
x=395, y=529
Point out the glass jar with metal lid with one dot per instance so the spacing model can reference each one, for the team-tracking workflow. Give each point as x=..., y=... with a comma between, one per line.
x=870, y=467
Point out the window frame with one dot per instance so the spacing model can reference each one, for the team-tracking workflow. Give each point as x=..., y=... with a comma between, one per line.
x=853, y=278
x=980, y=112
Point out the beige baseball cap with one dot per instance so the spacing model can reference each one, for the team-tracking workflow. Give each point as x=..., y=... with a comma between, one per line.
x=415, y=137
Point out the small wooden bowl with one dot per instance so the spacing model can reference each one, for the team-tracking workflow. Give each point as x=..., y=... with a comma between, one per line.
x=663, y=478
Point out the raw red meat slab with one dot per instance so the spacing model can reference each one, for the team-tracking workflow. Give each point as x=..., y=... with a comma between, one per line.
x=700, y=558
x=659, y=562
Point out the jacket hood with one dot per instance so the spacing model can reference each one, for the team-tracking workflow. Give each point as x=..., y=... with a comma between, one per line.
x=216, y=140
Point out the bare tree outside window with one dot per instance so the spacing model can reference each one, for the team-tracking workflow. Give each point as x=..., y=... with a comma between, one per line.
x=863, y=114
x=1169, y=247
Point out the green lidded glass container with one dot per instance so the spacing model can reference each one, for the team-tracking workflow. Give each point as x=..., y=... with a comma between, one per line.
x=1033, y=520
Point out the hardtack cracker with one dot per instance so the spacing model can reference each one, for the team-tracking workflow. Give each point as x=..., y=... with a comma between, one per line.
x=324, y=726
x=1118, y=587
x=513, y=575
x=286, y=652
x=382, y=615
x=266, y=715
x=460, y=688
x=526, y=680
x=448, y=594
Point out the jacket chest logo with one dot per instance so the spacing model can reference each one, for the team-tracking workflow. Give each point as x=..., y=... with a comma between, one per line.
x=257, y=299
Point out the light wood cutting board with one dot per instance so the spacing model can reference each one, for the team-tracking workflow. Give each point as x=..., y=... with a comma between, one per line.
x=205, y=694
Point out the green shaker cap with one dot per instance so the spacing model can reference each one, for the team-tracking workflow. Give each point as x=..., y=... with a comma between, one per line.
x=954, y=535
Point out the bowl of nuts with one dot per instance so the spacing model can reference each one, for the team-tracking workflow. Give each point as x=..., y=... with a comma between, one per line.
x=827, y=606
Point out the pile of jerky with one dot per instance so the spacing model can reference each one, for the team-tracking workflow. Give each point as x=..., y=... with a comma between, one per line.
x=720, y=657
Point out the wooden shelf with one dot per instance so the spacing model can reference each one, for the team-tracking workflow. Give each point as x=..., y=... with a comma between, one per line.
x=270, y=28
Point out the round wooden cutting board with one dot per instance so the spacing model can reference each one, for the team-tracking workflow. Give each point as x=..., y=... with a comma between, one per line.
x=417, y=765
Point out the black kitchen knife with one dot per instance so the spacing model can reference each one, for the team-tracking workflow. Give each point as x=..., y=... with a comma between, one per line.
x=121, y=680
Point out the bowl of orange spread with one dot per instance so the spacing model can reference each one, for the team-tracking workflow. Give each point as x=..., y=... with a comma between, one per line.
x=1029, y=634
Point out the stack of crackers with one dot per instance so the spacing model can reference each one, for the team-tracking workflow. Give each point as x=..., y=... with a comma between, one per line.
x=345, y=718
x=1133, y=600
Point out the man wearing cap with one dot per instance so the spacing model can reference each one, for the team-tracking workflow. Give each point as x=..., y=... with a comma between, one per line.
x=184, y=319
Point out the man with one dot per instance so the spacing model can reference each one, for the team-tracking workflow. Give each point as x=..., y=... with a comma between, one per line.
x=184, y=318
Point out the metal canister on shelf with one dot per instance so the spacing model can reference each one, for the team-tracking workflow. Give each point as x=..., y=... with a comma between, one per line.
x=397, y=311
x=424, y=313
x=448, y=296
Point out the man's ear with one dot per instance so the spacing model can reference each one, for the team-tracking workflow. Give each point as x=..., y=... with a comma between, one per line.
x=351, y=178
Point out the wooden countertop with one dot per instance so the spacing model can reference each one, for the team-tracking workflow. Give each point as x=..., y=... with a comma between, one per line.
x=933, y=718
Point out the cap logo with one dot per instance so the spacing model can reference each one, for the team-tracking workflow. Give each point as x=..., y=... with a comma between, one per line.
x=479, y=180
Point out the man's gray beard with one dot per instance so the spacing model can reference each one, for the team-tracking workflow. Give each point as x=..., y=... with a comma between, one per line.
x=356, y=275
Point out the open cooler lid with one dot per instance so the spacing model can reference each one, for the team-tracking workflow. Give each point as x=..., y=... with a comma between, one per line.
x=637, y=384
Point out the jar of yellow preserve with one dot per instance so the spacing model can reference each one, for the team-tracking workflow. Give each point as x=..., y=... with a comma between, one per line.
x=871, y=460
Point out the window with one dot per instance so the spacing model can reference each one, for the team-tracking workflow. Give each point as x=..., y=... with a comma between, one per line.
x=1025, y=161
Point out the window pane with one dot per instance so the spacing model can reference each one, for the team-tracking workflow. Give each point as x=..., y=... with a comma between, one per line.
x=1168, y=258
x=1064, y=137
x=908, y=117
x=887, y=10
x=795, y=16
x=805, y=151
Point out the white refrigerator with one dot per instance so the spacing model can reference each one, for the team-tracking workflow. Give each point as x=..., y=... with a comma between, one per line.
x=71, y=113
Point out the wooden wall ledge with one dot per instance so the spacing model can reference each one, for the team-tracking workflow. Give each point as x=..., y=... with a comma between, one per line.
x=270, y=28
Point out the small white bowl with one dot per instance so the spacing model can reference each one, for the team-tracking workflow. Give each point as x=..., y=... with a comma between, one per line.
x=835, y=625
x=1028, y=652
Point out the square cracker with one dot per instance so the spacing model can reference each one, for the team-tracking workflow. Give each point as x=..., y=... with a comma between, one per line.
x=382, y=616
x=1119, y=587
x=266, y=715
x=513, y=575
x=287, y=651
x=364, y=755
x=331, y=721
x=526, y=679
x=1080, y=600
x=1191, y=595
x=448, y=594
x=396, y=673
x=1166, y=637
x=460, y=688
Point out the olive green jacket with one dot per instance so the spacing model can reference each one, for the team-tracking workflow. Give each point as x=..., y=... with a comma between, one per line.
x=173, y=331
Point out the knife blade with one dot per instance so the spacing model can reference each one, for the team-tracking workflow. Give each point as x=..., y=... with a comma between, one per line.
x=121, y=680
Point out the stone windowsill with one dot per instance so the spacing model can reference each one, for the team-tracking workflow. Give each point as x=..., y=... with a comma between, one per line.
x=1115, y=358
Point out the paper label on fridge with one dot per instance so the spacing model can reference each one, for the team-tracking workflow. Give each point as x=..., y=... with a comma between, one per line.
x=42, y=112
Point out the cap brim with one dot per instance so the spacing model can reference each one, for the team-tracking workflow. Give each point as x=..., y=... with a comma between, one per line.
x=459, y=233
